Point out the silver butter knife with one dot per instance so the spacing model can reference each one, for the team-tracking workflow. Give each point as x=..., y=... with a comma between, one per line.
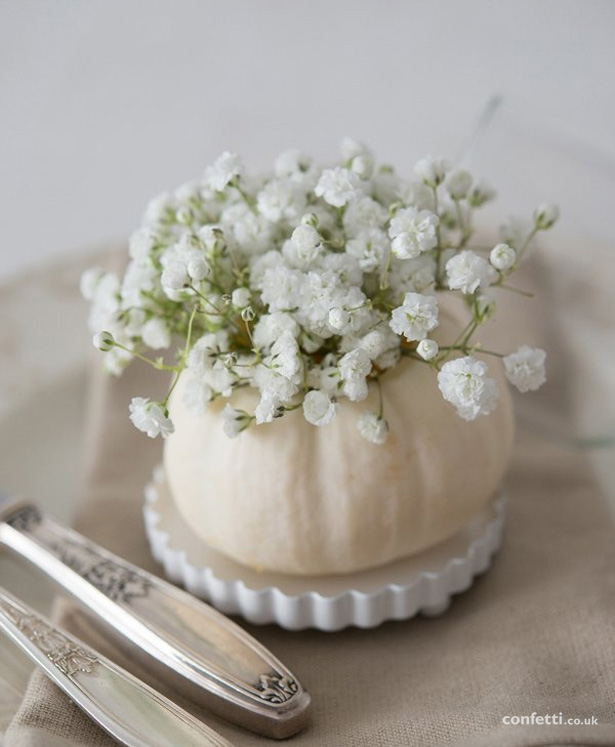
x=194, y=648
x=132, y=712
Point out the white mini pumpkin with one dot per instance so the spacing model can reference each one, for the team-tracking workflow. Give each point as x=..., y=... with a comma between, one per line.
x=294, y=498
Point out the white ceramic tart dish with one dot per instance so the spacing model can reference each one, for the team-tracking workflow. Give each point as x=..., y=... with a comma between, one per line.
x=423, y=583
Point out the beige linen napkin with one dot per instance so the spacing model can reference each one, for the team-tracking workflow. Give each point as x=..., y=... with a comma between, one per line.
x=534, y=635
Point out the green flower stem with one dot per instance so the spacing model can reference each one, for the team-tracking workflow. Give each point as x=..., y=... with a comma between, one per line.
x=336, y=246
x=250, y=201
x=471, y=349
x=464, y=332
x=207, y=301
x=434, y=363
x=183, y=358
x=461, y=343
x=154, y=363
x=466, y=230
x=490, y=352
x=380, y=398
x=163, y=304
x=255, y=350
x=339, y=217
x=236, y=267
x=525, y=245
x=512, y=289
x=477, y=248
x=216, y=310
x=469, y=334
x=384, y=275
x=438, y=248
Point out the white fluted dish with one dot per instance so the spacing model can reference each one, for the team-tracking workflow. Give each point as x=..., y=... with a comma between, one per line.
x=423, y=583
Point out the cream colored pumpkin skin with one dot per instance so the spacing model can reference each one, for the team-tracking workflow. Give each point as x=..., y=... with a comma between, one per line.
x=294, y=498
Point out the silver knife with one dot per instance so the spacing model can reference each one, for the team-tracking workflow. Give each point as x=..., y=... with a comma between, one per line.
x=128, y=709
x=194, y=648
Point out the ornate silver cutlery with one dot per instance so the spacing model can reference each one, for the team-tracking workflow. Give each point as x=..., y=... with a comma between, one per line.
x=196, y=649
x=131, y=711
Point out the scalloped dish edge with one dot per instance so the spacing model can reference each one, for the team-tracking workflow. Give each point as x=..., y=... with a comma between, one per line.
x=429, y=594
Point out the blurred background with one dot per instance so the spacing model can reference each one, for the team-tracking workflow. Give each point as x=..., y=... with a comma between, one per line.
x=106, y=103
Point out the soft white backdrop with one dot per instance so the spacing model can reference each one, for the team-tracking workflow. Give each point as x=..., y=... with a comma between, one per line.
x=107, y=102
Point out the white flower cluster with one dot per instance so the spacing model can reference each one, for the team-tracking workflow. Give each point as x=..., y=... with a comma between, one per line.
x=307, y=284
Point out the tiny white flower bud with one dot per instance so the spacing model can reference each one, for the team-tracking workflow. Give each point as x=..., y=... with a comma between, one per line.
x=465, y=384
x=209, y=235
x=525, y=368
x=432, y=170
x=413, y=232
x=291, y=163
x=480, y=193
x=234, y=421
x=248, y=314
x=373, y=427
x=310, y=219
x=351, y=148
x=417, y=316
x=458, y=183
x=305, y=238
x=184, y=215
x=379, y=341
x=427, y=349
x=197, y=268
x=338, y=186
x=225, y=170
x=306, y=244
x=467, y=272
x=484, y=307
x=150, y=417
x=503, y=257
x=545, y=216
x=318, y=408
x=363, y=165
x=174, y=276
x=268, y=408
x=103, y=341
x=240, y=298
x=338, y=318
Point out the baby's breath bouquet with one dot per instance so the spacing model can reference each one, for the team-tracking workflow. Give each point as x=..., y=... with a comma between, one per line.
x=308, y=284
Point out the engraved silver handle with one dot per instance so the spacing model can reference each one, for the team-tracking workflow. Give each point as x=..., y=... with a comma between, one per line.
x=195, y=648
x=128, y=709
